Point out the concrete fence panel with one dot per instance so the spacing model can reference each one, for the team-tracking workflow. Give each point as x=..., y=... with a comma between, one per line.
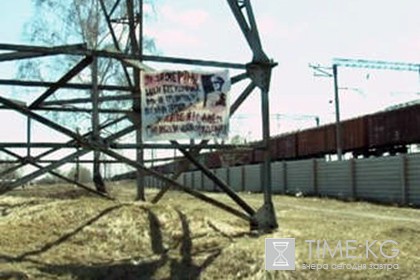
x=197, y=180
x=236, y=178
x=278, y=177
x=334, y=178
x=208, y=185
x=299, y=176
x=393, y=179
x=378, y=179
x=222, y=173
x=253, y=178
x=413, y=179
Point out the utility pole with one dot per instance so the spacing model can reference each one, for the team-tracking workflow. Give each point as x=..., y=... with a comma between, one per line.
x=337, y=115
x=322, y=71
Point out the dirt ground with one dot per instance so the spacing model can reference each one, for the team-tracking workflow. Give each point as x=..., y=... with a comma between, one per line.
x=60, y=232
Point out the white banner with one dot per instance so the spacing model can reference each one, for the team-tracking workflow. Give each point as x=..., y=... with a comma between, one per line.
x=185, y=105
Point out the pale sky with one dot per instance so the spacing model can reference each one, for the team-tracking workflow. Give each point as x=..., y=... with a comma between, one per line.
x=294, y=34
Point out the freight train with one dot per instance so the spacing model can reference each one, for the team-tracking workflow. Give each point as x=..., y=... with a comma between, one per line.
x=389, y=131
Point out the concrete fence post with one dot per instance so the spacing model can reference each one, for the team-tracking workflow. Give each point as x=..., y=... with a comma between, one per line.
x=352, y=172
x=228, y=176
x=242, y=170
x=215, y=171
x=284, y=169
x=404, y=182
x=314, y=177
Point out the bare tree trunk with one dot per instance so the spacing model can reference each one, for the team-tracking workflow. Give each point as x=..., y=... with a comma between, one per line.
x=97, y=177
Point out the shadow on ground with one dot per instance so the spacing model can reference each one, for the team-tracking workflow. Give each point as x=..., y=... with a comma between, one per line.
x=180, y=263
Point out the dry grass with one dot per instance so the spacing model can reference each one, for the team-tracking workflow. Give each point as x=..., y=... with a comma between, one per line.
x=64, y=233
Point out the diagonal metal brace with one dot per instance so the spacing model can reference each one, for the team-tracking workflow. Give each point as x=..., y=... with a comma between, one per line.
x=241, y=98
x=176, y=185
x=219, y=182
x=248, y=27
x=31, y=161
x=25, y=55
x=109, y=152
x=63, y=80
x=195, y=151
x=44, y=154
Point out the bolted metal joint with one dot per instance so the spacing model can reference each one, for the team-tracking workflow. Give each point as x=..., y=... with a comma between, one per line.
x=28, y=160
x=264, y=220
x=260, y=73
x=97, y=144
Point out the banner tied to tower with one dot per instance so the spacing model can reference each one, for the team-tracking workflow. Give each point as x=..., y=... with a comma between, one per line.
x=185, y=105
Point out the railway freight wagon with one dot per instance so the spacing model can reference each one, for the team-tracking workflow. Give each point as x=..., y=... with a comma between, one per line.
x=286, y=147
x=355, y=136
x=316, y=142
x=387, y=131
x=391, y=131
x=282, y=147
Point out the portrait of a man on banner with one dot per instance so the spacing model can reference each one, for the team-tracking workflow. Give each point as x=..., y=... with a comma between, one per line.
x=185, y=105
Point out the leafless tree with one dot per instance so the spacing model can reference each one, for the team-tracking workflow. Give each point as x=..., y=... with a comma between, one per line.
x=64, y=22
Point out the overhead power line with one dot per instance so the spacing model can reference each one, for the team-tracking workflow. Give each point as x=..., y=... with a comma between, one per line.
x=376, y=64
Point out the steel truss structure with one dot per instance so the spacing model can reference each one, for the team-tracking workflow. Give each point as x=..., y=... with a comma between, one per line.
x=258, y=71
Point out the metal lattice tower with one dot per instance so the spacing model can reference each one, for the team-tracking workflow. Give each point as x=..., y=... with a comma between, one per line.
x=132, y=59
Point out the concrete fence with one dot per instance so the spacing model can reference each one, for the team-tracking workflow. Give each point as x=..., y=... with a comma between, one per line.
x=393, y=179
